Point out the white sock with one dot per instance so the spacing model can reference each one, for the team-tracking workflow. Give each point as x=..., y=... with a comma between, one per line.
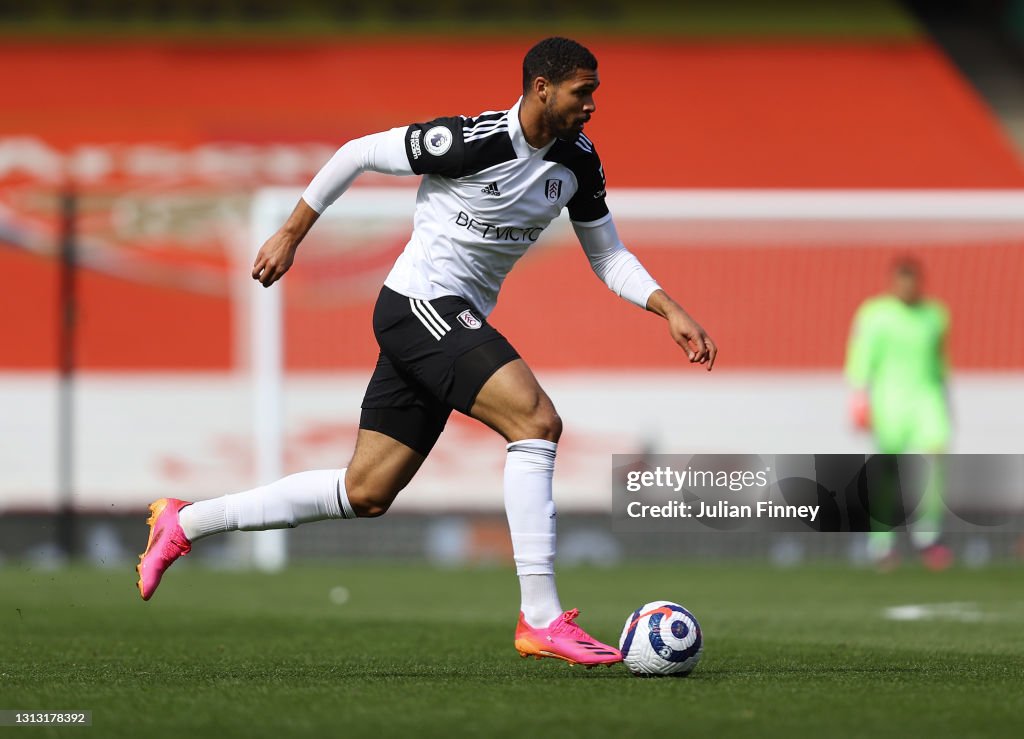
x=299, y=498
x=539, y=599
x=529, y=467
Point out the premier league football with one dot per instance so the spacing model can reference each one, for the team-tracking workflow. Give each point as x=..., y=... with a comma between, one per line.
x=661, y=639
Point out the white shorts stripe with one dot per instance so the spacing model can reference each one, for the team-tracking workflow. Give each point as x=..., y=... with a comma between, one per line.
x=425, y=321
x=437, y=316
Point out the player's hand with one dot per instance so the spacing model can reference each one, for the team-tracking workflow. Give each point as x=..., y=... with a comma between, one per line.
x=860, y=410
x=274, y=259
x=692, y=338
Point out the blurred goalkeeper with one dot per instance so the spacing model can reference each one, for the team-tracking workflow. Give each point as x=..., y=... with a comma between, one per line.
x=896, y=364
x=490, y=185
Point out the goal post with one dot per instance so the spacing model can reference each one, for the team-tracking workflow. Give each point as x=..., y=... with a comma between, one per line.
x=259, y=318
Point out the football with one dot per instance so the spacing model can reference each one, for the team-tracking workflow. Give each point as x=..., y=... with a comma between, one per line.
x=661, y=639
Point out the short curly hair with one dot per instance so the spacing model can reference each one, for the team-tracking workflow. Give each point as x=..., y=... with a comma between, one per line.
x=556, y=59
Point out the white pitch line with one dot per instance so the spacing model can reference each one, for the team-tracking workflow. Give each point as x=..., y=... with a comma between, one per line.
x=964, y=612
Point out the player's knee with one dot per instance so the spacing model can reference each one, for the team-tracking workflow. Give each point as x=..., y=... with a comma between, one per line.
x=370, y=509
x=366, y=504
x=369, y=499
x=550, y=426
x=543, y=423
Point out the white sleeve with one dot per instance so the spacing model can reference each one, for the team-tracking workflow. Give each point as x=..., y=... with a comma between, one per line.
x=379, y=152
x=614, y=263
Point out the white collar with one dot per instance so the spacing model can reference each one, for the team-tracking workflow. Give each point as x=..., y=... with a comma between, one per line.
x=519, y=142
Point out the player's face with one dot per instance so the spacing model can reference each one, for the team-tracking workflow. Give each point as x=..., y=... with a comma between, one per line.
x=907, y=286
x=570, y=103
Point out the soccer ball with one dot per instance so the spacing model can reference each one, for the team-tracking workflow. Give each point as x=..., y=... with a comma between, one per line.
x=661, y=639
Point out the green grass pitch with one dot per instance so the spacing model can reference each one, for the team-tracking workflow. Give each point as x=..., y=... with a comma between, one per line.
x=416, y=651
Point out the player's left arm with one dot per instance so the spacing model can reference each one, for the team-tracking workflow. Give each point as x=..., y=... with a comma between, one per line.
x=626, y=277
x=619, y=268
x=685, y=331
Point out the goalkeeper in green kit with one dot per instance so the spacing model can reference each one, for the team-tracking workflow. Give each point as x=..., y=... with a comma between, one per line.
x=896, y=364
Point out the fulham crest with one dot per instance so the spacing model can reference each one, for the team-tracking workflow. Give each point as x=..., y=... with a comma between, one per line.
x=467, y=319
x=553, y=190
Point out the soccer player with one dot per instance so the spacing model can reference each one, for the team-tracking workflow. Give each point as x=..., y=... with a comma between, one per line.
x=490, y=185
x=896, y=364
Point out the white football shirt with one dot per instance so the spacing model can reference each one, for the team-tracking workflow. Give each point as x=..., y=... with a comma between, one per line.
x=485, y=197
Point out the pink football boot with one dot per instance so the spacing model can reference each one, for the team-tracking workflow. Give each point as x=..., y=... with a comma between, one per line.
x=564, y=639
x=167, y=542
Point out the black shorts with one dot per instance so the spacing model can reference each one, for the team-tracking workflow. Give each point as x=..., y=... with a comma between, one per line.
x=435, y=355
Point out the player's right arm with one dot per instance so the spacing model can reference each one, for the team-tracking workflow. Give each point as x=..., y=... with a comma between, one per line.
x=278, y=253
x=422, y=148
x=379, y=152
x=860, y=353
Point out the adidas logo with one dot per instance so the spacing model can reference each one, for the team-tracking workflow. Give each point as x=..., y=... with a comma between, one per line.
x=491, y=189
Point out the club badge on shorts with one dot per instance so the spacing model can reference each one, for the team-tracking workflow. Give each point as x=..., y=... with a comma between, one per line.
x=467, y=319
